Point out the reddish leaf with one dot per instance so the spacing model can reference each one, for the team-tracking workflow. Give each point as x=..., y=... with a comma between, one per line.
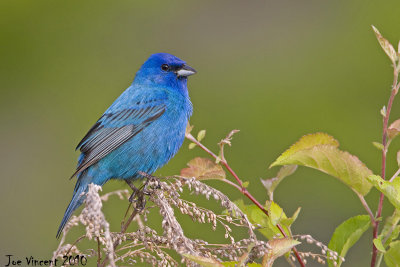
x=202, y=169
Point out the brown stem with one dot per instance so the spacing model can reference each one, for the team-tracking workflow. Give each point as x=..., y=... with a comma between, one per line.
x=242, y=189
x=98, y=251
x=74, y=244
x=123, y=230
x=395, y=88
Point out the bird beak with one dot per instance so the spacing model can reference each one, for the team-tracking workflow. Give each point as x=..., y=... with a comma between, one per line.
x=185, y=71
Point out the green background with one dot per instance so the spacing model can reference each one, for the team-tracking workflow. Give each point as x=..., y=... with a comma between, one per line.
x=276, y=70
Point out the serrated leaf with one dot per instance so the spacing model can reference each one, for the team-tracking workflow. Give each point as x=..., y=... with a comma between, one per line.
x=378, y=244
x=390, y=189
x=275, y=212
x=202, y=169
x=391, y=229
x=347, y=234
x=319, y=151
x=201, y=135
x=289, y=221
x=306, y=142
x=203, y=261
x=392, y=256
x=394, y=129
x=393, y=235
x=386, y=46
x=279, y=247
x=267, y=224
x=272, y=183
x=378, y=145
x=257, y=217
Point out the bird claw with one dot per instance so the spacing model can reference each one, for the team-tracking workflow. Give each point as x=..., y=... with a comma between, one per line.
x=132, y=197
x=138, y=195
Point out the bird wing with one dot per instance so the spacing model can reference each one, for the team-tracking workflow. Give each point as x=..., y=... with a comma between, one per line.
x=115, y=128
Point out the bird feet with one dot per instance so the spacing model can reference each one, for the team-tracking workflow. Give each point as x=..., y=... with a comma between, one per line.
x=138, y=195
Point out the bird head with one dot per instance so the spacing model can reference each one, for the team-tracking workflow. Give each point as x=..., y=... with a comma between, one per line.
x=164, y=69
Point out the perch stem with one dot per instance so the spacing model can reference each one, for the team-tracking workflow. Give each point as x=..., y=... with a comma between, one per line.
x=123, y=230
x=242, y=189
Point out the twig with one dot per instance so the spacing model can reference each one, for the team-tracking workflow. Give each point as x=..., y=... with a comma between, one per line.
x=123, y=230
x=74, y=244
x=395, y=175
x=365, y=204
x=241, y=188
x=98, y=251
x=395, y=89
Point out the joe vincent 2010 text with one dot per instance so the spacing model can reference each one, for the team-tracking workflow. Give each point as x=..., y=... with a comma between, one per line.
x=29, y=261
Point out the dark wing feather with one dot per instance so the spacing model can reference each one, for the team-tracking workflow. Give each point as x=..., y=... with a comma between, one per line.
x=112, y=130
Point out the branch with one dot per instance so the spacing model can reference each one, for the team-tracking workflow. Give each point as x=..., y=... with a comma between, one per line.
x=240, y=187
x=123, y=230
x=395, y=175
x=395, y=89
x=365, y=204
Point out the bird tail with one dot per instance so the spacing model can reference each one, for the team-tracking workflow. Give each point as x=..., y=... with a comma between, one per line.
x=78, y=198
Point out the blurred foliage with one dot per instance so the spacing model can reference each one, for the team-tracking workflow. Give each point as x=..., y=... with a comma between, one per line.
x=274, y=70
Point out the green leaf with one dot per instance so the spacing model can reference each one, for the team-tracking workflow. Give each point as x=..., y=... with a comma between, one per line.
x=319, y=151
x=201, y=135
x=289, y=221
x=392, y=256
x=347, y=234
x=306, y=142
x=386, y=46
x=391, y=229
x=279, y=247
x=245, y=184
x=203, y=261
x=257, y=217
x=275, y=212
x=202, y=169
x=267, y=224
x=378, y=145
x=378, y=244
x=272, y=183
x=390, y=189
x=192, y=145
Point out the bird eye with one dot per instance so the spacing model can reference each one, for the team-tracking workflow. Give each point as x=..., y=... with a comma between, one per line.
x=164, y=67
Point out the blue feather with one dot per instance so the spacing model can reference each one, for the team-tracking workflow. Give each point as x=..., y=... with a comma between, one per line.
x=140, y=132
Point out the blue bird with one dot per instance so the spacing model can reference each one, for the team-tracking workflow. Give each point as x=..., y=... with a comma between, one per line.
x=140, y=132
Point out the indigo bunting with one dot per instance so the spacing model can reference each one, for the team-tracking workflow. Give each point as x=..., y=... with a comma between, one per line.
x=140, y=132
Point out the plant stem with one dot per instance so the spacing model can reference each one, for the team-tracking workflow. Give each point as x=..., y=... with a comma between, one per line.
x=98, y=251
x=395, y=88
x=123, y=230
x=395, y=175
x=242, y=189
x=365, y=204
